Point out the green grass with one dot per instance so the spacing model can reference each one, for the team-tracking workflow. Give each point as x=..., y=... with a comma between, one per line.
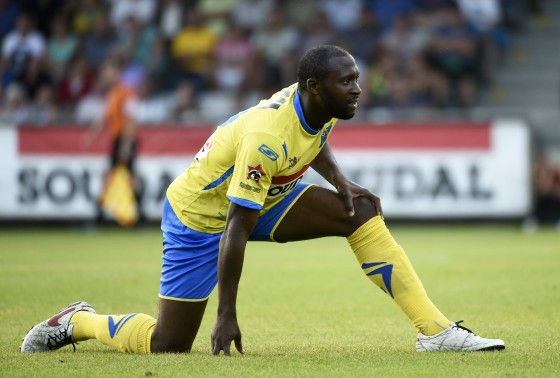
x=305, y=309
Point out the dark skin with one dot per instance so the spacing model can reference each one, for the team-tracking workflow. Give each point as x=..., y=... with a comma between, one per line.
x=319, y=212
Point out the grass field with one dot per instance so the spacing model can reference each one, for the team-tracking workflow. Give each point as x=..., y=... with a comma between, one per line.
x=305, y=309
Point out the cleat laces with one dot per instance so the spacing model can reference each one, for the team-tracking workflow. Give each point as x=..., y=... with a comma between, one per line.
x=459, y=326
x=59, y=339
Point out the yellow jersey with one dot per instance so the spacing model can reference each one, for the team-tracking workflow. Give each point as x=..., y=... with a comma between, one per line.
x=253, y=159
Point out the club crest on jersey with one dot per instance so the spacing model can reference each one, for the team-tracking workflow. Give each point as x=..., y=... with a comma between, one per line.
x=268, y=152
x=293, y=162
x=255, y=173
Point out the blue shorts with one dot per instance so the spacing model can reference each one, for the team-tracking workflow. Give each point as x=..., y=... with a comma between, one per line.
x=190, y=258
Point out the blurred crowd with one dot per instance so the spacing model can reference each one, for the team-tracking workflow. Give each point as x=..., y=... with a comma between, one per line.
x=200, y=60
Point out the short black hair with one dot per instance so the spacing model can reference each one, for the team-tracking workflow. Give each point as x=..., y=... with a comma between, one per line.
x=313, y=64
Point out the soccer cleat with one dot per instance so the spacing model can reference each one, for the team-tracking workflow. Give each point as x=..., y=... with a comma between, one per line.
x=458, y=339
x=54, y=333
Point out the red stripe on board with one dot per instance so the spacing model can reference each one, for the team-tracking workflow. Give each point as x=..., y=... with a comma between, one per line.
x=68, y=140
x=178, y=140
x=412, y=136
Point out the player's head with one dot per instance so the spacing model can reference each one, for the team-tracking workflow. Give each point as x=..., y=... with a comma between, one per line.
x=330, y=72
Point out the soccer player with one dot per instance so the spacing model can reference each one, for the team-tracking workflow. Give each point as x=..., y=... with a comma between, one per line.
x=245, y=184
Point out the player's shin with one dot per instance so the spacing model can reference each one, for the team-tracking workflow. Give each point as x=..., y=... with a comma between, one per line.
x=386, y=265
x=129, y=333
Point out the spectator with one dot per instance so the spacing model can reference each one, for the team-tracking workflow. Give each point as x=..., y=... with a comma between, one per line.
x=277, y=42
x=22, y=48
x=387, y=10
x=234, y=60
x=144, y=108
x=142, y=10
x=169, y=18
x=44, y=109
x=37, y=75
x=9, y=10
x=217, y=13
x=184, y=104
x=342, y=14
x=454, y=51
x=62, y=47
x=99, y=41
x=90, y=106
x=248, y=14
x=42, y=12
x=300, y=13
x=140, y=42
x=318, y=31
x=192, y=49
x=77, y=82
x=404, y=40
x=84, y=14
x=361, y=39
x=14, y=108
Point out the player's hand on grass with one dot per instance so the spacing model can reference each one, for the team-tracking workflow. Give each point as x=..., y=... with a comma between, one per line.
x=349, y=190
x=225, y=331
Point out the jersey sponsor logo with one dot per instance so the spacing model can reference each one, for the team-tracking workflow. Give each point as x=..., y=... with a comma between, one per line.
x=268, y=152
x=249, y=187
x=255, y=173
x=283, y=189
x=386, y=272
x=114, y=328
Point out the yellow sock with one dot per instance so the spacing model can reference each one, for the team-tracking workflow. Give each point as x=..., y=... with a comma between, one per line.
x=130, y=333
x=386, y=264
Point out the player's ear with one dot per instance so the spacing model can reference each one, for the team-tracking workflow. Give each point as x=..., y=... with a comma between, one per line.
x=313, y=86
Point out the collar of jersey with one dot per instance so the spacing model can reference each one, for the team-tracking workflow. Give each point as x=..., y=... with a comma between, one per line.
x=299, y=112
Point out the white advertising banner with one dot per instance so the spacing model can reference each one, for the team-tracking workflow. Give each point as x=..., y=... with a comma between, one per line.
x=419, y=171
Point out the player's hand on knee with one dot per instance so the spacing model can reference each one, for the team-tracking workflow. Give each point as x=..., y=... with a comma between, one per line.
x=349, y=190
x=225, y=331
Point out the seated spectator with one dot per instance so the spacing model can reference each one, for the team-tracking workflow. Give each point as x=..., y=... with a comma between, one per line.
x=62, y=47
x=14, y=108
x=99, y=41
x=77, y=82
x=21, y=48
x=454, y=51
x=249, y=14
x=387, y=10
x=192, y=49
x=9, y=10
x=276, y=43
x=37, y=75
x=43, y=109
x=342, y=14
x=145, y=108
x=84, y=14
x=169, y=18
x=361, y=39
x=140, y=43
x=142, y=10
x=317, y=31
x=89, y=107
x=233, y=60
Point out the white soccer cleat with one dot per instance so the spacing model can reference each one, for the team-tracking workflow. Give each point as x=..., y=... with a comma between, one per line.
x=55, y=332
x=456, y=338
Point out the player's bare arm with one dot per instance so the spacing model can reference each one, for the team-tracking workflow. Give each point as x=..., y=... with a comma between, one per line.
x=240, y=223
x=325, y=164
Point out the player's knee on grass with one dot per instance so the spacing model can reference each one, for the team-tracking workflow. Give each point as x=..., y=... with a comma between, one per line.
x=170, y=344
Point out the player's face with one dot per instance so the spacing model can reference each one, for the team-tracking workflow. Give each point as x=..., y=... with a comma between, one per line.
x=340, y=89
